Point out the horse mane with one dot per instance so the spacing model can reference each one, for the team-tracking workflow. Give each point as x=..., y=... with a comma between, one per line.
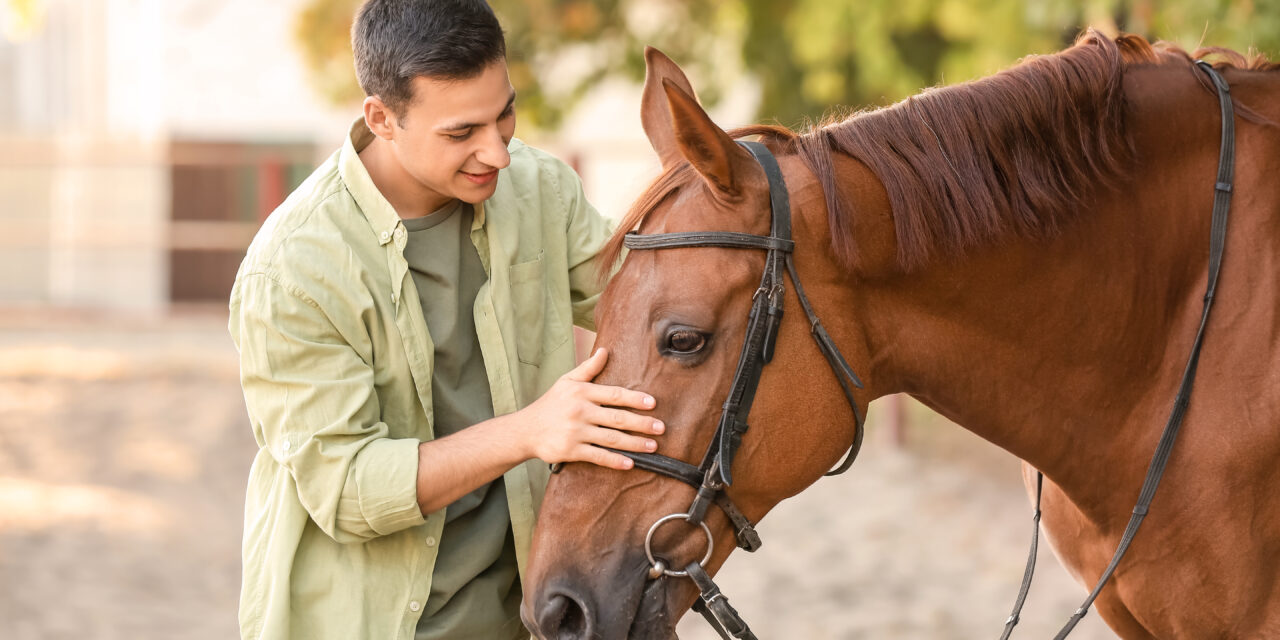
x=1014, y=153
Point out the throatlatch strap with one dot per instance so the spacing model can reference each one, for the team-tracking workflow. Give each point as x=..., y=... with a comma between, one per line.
x=839, y=366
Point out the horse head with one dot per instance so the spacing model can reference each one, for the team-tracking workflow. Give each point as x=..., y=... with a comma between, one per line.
x=674, y=322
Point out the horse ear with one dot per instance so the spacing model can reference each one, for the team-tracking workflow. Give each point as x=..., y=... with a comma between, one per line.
x=655, y=115
x=706, y=146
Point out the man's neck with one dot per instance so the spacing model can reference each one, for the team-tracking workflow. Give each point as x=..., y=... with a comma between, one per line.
x=406, y=195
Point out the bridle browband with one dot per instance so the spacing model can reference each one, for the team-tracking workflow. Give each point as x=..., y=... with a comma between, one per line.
x=715, y=472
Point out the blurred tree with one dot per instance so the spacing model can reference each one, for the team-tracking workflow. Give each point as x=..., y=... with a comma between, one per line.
x=807, y=54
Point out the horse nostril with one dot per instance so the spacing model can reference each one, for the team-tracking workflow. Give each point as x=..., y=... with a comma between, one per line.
x=564, y=618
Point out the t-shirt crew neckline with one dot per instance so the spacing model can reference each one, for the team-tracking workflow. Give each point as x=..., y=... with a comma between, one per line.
x=434, y=218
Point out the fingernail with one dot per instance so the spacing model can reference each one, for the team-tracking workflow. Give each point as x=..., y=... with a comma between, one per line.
x=597, y=352
x=649, y=401
x=657, y=426
x=627, y=463
x=650, y=445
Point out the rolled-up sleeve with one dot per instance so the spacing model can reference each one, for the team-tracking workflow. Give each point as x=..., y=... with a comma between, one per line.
x=312, y=403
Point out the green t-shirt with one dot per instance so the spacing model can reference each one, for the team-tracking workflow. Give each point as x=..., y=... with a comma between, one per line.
x=475, y=588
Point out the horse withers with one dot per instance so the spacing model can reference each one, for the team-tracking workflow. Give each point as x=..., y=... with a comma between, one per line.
x=1027, y=255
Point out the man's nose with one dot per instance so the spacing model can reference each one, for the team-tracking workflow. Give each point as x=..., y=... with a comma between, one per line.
x=493, y=152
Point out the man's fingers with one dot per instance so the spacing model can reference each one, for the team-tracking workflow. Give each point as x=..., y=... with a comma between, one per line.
x=615, y=439
x=620, y=397
x=590, y=368
x=624, y=420
x=605, y=458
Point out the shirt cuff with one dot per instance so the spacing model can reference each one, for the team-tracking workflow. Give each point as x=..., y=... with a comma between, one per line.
x=386, y=479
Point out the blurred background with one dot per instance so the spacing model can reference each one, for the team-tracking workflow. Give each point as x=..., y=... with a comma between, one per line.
x=142, y=142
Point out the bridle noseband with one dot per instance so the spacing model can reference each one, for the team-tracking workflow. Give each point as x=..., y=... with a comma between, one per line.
x=716, y=470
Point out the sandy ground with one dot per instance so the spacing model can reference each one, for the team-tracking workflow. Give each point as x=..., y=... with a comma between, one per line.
x=124, y=450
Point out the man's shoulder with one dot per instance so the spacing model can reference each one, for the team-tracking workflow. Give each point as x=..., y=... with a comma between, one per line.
x=529, y=163
x=316, y=216
x=538, y=179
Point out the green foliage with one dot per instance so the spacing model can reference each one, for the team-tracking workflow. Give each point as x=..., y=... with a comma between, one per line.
x=808, y=55
x=322, y=31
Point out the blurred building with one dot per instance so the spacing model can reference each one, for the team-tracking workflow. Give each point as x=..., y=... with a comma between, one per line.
x=143, y=141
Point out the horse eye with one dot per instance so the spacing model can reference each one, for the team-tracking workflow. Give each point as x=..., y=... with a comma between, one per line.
x=685, y=341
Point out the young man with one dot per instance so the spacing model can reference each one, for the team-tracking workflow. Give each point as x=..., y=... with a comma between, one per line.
x=404, y=322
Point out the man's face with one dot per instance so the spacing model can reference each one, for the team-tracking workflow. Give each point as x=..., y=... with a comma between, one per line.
x=452, y=139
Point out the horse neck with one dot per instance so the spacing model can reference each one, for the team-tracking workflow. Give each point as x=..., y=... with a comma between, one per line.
x=1065, y=352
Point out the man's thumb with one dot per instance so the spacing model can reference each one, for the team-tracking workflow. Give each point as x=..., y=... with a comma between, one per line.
x=591, y=367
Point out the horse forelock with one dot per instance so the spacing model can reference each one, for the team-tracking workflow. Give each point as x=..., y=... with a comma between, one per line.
x=1019, y=152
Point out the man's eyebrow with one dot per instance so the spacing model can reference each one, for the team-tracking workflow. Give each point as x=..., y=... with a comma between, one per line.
x=457, y=126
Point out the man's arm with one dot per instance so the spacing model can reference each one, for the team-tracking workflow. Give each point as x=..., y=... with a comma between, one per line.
x=570, y=422
x=313, y=408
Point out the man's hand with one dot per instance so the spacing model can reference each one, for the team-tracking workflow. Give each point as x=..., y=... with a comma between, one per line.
x=575, y=418
x=570, y=422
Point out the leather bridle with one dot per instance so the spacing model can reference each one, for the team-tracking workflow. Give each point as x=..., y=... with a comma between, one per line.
x=715, y=473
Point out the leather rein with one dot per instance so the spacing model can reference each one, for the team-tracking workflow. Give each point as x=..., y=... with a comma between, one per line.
x=714, y=474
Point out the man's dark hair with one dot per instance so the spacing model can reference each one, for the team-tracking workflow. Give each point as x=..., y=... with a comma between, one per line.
x=396, y=41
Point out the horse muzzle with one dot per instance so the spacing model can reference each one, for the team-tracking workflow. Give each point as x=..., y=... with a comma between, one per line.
x=571, y=610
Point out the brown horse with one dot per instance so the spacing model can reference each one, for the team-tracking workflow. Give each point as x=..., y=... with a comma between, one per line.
x=1026, y=254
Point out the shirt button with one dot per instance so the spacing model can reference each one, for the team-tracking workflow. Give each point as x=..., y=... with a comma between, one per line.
x=385, y=235
x=431, y=541
x=414, y=606
x=284, y=446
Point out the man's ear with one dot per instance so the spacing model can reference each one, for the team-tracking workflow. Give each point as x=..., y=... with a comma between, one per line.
x=655, y=114
x=380, y=119
x=720, y=161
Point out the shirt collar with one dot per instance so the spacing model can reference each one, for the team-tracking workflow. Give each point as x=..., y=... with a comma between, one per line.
x=381, y=215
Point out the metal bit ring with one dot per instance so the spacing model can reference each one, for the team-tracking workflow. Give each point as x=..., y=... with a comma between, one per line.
x=658, y=565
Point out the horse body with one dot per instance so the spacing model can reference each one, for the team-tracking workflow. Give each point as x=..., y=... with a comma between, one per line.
x=1069, y=354
x=1064, y=348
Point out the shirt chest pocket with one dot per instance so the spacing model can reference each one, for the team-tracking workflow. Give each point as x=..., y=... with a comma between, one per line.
x=535, y=314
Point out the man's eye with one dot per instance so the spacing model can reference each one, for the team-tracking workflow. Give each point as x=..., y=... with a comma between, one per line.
x=458, y=136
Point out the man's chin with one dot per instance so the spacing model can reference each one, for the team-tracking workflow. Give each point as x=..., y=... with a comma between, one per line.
x=475, y=194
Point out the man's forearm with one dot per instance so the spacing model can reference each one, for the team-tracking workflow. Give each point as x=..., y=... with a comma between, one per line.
x=574, y=420
x=455, y=465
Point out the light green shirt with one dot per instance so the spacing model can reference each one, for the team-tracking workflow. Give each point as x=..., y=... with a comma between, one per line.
x=336, y=364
